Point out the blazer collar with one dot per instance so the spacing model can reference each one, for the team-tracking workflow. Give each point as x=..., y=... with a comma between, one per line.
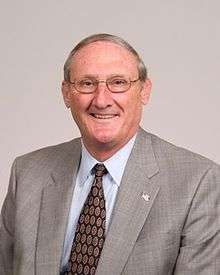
x=143, y=154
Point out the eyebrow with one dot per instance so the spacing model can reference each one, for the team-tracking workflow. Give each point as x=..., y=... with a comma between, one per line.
x=96, y=76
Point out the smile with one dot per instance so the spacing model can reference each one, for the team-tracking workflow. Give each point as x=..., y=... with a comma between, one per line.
x=103, y=116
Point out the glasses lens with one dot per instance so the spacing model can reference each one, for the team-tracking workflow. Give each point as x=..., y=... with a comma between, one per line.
x=118, y=84
x=85, y=85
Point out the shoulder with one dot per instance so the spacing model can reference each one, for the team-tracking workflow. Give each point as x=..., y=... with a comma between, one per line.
x=180, y=173
x=47, y=157
x=170, y=155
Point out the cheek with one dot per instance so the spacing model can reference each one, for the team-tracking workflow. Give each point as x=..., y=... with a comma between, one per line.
x=133, y=111
x=76, y=109
x=126, y=101
x=79, y=104
x=133, y=105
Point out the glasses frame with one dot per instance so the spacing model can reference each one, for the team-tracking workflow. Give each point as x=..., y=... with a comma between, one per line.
x=96, y=82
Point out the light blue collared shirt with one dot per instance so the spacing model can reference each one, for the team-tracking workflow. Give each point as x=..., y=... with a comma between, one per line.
x=111, y=182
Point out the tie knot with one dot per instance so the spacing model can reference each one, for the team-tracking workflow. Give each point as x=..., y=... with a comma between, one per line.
x=99, y=170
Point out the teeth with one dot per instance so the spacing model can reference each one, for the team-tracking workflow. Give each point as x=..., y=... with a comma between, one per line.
x=103, y=116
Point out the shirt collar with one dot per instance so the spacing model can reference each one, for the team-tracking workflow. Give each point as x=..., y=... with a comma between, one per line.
x=115, y=165
x=86, y=164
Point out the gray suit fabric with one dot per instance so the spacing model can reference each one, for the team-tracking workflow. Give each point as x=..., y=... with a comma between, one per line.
x=175, y=231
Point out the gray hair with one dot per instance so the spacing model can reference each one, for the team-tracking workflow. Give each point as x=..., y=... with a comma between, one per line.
x=142, y=71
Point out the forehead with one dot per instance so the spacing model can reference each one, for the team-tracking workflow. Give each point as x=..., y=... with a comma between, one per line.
x=103, y=58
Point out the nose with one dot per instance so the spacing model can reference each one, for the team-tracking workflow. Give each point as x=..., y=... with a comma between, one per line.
x=102, y=96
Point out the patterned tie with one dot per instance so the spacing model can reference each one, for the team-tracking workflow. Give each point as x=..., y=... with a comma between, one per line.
x=90, y=232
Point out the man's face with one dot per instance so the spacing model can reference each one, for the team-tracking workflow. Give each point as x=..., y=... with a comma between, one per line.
x=106, y=119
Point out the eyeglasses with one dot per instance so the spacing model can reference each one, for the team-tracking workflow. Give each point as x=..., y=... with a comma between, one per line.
x=88, y=85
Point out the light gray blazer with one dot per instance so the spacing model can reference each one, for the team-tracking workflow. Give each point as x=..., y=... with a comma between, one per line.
x=166, y=219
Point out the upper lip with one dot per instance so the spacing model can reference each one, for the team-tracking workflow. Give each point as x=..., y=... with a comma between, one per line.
x=103, y=114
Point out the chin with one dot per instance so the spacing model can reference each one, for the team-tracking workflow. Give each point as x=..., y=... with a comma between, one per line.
x=104, y=139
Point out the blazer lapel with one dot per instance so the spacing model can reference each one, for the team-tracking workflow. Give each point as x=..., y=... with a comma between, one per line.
x=55, y=203
x=135, y=198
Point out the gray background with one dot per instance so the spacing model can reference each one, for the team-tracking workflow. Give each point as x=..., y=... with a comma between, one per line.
x=178, y=40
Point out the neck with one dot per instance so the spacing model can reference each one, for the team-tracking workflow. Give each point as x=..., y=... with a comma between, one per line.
x=102, y=152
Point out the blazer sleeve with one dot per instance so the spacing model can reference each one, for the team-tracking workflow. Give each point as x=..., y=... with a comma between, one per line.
x=7, y=227
x=200, y=245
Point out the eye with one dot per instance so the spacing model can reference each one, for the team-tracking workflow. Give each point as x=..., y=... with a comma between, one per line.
x=87, y=83
x=118, y=82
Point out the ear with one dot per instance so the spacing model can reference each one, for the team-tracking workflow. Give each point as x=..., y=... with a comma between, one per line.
x=66, y=93
x=145, y=92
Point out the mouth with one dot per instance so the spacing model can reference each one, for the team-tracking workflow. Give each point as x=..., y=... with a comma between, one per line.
x=103, y=116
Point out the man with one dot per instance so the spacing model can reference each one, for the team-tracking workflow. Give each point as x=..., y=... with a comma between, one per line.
x=152, y=208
